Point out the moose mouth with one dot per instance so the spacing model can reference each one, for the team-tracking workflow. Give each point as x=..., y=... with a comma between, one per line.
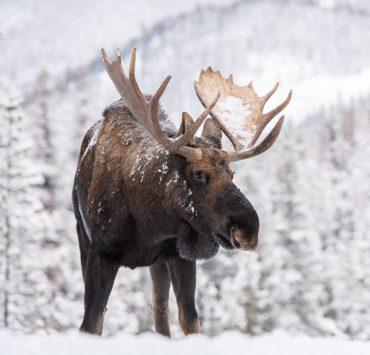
x=236, y=239
x=223, y=241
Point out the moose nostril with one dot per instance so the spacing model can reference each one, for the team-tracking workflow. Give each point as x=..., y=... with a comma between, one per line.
x=244, y=238
x=236, y=237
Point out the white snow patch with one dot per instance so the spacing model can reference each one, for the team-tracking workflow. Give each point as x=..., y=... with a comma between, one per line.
x=230, y=343
x=191, y=207
x=162, y=170
x=93, y=138
x=187, y=203
x=174, y=179
x=150, y=151
x=233, y=111
x=84, y=222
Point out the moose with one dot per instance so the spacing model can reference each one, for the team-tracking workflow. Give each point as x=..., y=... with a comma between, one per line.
x=145, y=194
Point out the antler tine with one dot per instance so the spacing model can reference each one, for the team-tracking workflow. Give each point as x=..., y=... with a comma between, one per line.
x=155, y=98
x=132, y=76
x=264, y=119
x=104, y=55
x=122, y=84
x=155, y=127
x=262, y=147
x=270, y=115
x=265, y=98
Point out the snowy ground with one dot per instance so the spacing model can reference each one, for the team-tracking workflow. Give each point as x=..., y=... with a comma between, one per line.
x=227, y=343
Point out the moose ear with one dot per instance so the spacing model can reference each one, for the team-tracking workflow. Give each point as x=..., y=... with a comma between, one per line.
x=186, y=122
x=212, y=132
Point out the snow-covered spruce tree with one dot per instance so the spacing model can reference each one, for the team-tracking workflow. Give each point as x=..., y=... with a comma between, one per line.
x=360, y=194
x=348, y=246
x=43, y=134
x=82, y=110
x=57, y=239
x=24, y=288
x=301, y=288
x=215, y=298
x=247, y=307
x=334, y=245
x=311, y=297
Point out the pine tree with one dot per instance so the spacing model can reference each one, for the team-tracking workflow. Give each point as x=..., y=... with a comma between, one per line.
x=348, y=167
x=42, y=134
x=82, y=108
x=298, y=244
x=360, y=172
x=57, y=242
x=23, y=288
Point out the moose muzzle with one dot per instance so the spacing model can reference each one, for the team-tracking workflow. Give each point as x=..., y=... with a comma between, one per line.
x=241, y=222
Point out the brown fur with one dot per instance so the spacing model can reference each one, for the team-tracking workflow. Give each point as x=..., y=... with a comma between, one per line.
x=161, y=286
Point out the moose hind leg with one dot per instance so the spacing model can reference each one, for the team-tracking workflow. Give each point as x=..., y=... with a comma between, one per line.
x=183, y=278
x=99, y=279
x=161, y=288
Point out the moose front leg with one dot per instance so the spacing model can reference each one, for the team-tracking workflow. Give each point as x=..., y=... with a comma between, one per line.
x=161, y=288
x=99, y=279
x=183, y=278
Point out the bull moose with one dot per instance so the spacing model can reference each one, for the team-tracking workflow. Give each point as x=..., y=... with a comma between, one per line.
x=146, y=195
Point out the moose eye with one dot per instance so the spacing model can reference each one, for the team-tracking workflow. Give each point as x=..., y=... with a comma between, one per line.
x=223, y=164
x=200, y=176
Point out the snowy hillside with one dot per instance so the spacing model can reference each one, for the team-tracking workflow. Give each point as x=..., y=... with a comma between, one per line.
x=228, y=343
x=330, y=61
x=68, y=34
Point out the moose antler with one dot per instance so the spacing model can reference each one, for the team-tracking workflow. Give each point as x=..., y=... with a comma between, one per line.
x=146, y=111
x=239, y=112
